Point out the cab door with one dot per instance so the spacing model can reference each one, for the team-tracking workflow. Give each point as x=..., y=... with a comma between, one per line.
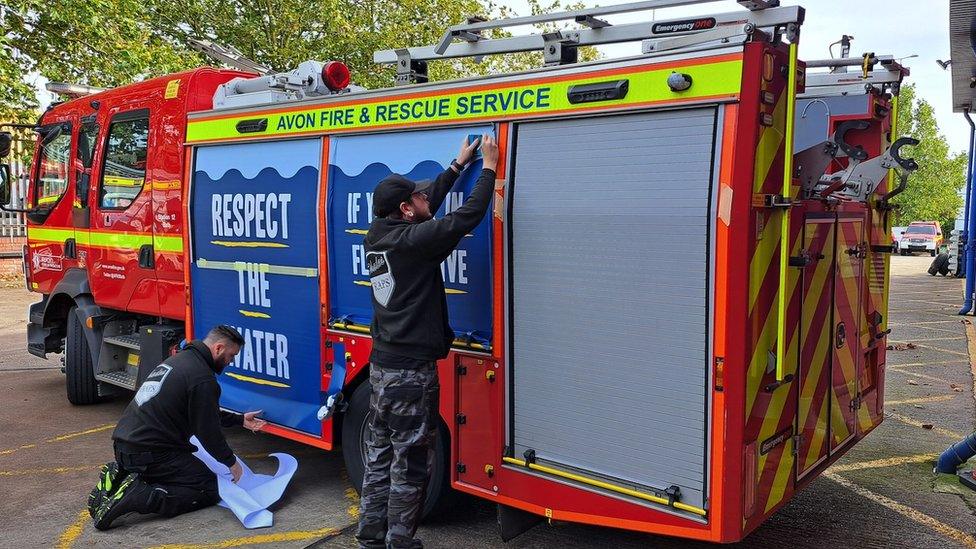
x=50, y=236
x=121, y=237
x=81, y=206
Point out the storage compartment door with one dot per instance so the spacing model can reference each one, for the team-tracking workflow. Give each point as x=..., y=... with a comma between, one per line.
x=847, y=353
x=610, y=221
x=255, y=267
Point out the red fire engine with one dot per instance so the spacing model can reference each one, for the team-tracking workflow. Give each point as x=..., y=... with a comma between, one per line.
x=673, y=319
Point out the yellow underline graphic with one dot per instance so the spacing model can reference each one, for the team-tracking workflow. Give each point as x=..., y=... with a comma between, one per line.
x=230, y=244
x=451, y=291
x=357, y=231
x=258, y=381
x=253, y=314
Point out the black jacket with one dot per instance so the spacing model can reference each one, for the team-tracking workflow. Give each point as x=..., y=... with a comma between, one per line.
x=409, y=304
x=178, y=399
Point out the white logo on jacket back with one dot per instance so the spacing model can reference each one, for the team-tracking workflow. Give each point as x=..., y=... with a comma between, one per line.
x=380, y=276
x=152, y=385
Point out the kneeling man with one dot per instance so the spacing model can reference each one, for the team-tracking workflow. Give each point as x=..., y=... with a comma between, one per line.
x=155, y=470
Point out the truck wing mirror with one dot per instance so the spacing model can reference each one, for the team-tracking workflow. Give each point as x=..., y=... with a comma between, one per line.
x=5, y=140
x=4, y=184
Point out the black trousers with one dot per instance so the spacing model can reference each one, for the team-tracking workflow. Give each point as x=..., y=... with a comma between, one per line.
x=170, y=483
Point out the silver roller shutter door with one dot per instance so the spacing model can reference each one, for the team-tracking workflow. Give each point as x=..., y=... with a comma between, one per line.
x=610, y=222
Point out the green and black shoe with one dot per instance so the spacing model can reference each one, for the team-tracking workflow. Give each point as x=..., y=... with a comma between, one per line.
x=108, y=481
x=128, y=497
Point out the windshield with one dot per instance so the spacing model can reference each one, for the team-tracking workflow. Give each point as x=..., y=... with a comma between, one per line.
x=921, y=229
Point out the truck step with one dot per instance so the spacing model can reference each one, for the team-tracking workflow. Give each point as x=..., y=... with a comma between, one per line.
x=121, y=378
x=128, y=341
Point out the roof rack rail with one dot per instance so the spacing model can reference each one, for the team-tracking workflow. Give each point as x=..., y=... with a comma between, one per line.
x=878, y=72
x=764, y=17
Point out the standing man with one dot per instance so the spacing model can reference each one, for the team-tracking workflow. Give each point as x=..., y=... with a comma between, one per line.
x=405, y=246
x=155, y=470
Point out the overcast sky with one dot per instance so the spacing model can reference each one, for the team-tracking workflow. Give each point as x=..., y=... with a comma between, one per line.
x=886, y=27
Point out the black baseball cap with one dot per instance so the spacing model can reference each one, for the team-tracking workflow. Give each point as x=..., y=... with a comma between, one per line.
x=395, y=189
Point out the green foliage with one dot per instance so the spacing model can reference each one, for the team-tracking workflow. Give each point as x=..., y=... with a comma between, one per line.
x=115, y=42
x=933, y=191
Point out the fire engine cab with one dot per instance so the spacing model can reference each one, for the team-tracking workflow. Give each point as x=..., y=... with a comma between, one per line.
x=686, y=386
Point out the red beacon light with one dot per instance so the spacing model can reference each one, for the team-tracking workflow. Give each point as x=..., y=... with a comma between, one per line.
x=335, y=74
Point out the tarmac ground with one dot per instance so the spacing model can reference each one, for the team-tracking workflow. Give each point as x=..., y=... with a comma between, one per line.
x=881, y=494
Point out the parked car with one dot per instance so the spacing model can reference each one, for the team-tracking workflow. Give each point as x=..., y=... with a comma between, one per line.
x=921, y=236
x=896, y=234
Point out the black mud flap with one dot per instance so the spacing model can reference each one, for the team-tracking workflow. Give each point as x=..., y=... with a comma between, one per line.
x=514, y=522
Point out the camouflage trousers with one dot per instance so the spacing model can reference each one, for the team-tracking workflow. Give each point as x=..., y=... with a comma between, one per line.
x=399, y=455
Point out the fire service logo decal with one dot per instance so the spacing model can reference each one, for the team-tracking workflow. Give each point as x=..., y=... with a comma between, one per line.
x=44, y=260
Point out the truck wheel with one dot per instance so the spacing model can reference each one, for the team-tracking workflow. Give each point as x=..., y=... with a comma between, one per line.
x=932, y=253
x=78, y=368
x=354, y=433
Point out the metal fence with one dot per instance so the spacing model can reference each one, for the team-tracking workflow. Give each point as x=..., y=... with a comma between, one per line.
x=13, y=225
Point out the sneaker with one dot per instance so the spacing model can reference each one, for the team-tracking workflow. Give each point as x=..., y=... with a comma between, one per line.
x=125, y=499
x=108, y=482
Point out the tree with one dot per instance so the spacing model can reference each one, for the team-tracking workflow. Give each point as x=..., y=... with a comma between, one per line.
x=933, y=190
x=115, y=42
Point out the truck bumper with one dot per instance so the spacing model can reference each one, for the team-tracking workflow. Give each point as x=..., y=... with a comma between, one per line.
x=36, y=332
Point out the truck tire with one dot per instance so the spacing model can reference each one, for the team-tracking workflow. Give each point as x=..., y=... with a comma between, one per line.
x=354, y=423
x=78, y=368
x=939, y=264
x=933, y=253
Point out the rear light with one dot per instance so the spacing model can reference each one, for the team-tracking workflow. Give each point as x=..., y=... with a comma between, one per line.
x=335, y=74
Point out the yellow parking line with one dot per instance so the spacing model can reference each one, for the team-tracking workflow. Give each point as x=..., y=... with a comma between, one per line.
x=941, y=350
x=916, y=423
x=916, y=374
x=81, y=433
x=923, y=400
x=296, y=535
x=934, y=524
x=50, y=471
x=890, y=341
x=68, y=537
x=936, y=363
x=59, y=438
x=12, y=450
x=923, y=322
x=880, y=463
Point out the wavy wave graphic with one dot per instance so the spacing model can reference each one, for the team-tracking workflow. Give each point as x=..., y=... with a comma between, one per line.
x=372, y=174
x=400, y=151
x=250, y=159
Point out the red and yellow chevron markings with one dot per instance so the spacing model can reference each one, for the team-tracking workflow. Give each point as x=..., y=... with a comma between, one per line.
x=769, y=413
x=847, y=294
x=816, y=344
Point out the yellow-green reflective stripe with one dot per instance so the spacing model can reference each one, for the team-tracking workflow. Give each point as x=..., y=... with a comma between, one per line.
x=50, y=235
x=261, y=267
x=107, y=239
x=168, y=243
x=646, y=85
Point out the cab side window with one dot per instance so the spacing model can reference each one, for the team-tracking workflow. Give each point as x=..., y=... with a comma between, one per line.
x=52, y=173
x=124, y=171
x=85, y=156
